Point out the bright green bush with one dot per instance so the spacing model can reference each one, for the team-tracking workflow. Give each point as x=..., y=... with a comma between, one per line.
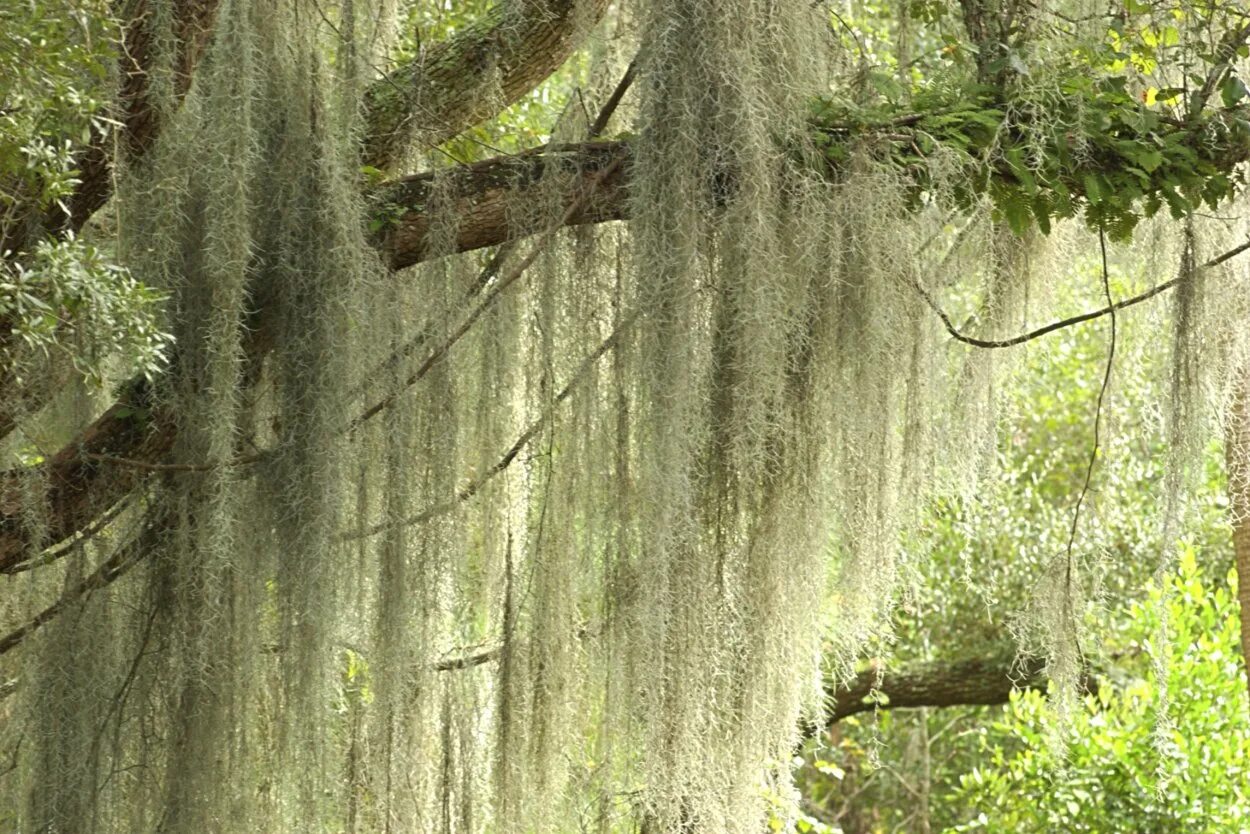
x=1124, y=769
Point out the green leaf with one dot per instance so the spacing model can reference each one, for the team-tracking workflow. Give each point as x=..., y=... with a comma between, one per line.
x=1017, y=212
x=1041, y=213
x=1177, y=205
x=1092, y=191
x=1150, y=160
x=1232, y=90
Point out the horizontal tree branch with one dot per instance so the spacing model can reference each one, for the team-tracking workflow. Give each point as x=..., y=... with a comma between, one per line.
x=974, y=681
x=488, y=203
x=492, y=201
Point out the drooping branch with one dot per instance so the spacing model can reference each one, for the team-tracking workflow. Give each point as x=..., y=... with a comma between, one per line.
x=1080, y=318
x=109, y=571
x=470, y=77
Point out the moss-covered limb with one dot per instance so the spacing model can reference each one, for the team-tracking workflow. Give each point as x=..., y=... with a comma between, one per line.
x=972, y=681
x=80, y=485
x=1132, y=159
x=448, y=88
x=487, y=195
x=138, y=113
x=985, y=680
x=1123, y=162
x=473, y=75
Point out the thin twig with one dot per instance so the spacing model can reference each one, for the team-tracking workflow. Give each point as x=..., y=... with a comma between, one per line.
x=1110, y=309
x=52, y=554
x=497, y=290
x=1069, y=615
x=1098, y=408
x=609, y=107
x=109, y=571
x=506, y=460
x=171, y=467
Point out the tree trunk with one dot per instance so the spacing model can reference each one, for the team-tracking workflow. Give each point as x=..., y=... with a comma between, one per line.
x=1237, y=455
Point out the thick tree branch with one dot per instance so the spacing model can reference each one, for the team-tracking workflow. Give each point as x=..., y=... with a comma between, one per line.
x=974, y=681
x=78, y=481
x=470, y=77
x=140, y=119
x=489, y=198
x=81, y=480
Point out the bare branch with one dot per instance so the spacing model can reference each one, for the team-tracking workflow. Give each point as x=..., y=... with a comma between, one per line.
x=1071, y=320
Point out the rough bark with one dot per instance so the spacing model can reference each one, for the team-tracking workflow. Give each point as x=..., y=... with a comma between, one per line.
x=84, y=479
x=488, y=194
x=473, y=75
x=974, y=681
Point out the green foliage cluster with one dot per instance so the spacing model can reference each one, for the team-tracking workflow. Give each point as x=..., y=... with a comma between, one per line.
x=1119, y=775
x=59, y=295
x=1086, y=147
x=68, y=298
x=55, y=60
x=984, y=554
